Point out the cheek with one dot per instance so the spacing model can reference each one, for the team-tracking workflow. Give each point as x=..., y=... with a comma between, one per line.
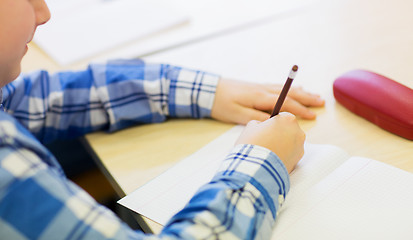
x=12, y=53
x=13, y=38
x=22, y=32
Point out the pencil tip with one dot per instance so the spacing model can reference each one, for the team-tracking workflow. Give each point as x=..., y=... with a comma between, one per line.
x=295, y=68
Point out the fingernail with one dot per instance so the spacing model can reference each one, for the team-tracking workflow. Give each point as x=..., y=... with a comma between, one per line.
x=311, y=115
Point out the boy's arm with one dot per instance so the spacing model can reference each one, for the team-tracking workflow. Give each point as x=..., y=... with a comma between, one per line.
x=37, y=201
x=107, y=97
x=241, y=202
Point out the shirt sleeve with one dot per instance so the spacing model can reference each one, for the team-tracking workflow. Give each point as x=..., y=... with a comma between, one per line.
x=108, y=97
x=38, y=202
x=241, y=202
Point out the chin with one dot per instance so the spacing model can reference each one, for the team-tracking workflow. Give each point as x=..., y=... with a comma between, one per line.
x=15, y=75
x=11, y=76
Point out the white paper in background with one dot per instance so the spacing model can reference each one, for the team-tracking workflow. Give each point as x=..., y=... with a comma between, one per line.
x=151, y=25
x=212, y=18
x=80, y=29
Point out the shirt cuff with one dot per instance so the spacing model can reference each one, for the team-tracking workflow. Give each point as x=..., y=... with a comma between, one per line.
x=191, y=93
x=261, y=168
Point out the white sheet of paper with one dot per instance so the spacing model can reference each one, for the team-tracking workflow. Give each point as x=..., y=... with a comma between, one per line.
x=82, y=28
x=362, y=199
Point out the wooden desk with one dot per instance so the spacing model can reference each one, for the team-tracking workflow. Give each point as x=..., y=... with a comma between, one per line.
x=325, y=40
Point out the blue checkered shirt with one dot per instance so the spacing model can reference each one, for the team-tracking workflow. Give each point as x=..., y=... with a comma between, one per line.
x=37, y=201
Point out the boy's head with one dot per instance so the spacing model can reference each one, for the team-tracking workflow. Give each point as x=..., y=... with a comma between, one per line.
x=18, y=22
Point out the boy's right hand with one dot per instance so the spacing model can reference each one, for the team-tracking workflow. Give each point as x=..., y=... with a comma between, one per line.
x=280, y=134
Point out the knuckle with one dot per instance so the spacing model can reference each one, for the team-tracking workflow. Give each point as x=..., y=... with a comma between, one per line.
x=288, y=116
x=252, y=122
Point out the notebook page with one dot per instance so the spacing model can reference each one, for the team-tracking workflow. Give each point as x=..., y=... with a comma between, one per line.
x=165, y=195
x=319, y=160
x=362, y=199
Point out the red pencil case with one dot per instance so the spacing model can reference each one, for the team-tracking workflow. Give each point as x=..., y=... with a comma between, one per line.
x=378, y=99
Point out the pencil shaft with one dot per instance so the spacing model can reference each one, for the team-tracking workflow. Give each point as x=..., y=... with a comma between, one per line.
x=284, y=92
x=282, y=97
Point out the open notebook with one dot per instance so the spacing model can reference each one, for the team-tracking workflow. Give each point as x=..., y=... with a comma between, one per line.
x=332, y=196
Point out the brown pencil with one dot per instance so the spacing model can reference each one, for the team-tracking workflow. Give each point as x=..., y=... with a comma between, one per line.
x=284, y=91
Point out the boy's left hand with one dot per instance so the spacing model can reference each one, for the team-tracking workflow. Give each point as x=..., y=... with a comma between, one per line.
x=240, y=102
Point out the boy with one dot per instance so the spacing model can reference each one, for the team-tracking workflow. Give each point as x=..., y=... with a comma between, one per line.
x=37, y=201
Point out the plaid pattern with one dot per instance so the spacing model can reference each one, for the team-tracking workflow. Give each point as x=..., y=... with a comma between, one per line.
x=37, y=201
x=240, y=202
x=107, y=97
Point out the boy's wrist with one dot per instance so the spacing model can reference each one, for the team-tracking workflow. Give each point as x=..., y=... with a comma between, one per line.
x=261, y=153
x=260, y=167
x=192, y=93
